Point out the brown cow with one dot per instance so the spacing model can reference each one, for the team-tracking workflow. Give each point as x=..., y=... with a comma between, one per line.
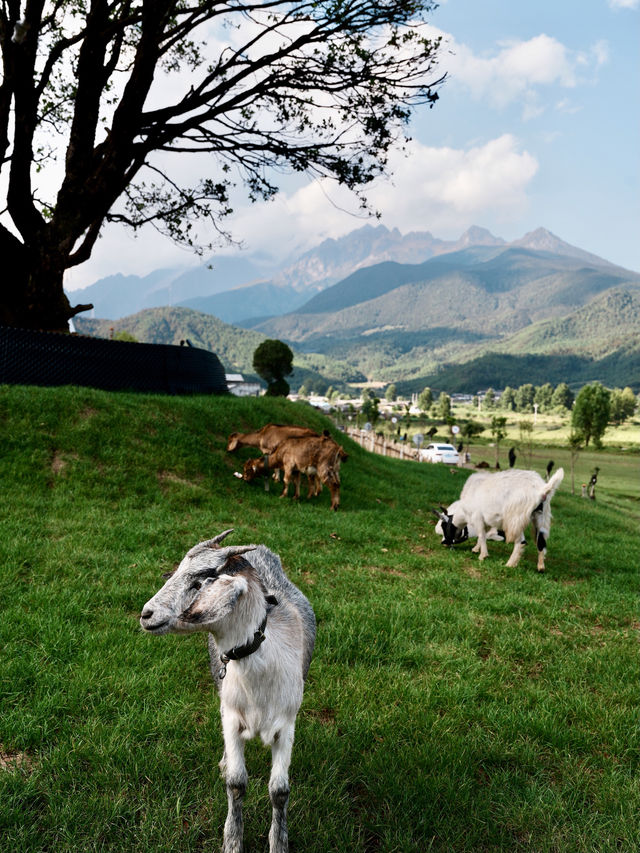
x=316, y=456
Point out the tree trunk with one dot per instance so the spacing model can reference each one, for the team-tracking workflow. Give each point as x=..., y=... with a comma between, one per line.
x=33, y=296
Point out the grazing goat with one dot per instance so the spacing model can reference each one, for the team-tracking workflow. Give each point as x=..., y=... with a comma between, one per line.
x=504, y=502
x=315, y=456
x=267, y=438
x=262, y=633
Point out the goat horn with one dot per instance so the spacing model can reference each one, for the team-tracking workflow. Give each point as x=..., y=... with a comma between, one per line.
x=240, y=549
x=215, y=542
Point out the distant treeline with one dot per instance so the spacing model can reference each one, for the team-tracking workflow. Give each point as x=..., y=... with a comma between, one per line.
x=497, y=370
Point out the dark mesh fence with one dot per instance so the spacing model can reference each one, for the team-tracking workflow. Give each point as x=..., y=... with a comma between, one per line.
x=47, y=358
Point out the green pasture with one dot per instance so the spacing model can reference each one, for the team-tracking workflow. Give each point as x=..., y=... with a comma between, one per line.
x=451, y=705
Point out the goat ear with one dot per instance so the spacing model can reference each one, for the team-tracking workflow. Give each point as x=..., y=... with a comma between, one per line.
x=235, y=562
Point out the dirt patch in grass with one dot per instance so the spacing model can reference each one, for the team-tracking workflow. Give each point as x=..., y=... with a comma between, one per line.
x=386, y=571
x=326, y=716
x=472, y=571
x=60, y=461
x=12, y=761
x=165, y=477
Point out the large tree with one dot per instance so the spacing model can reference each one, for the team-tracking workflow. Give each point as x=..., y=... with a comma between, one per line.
x=104, y=95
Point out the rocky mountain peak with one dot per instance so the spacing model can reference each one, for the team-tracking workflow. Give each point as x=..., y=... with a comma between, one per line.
x=477, y=236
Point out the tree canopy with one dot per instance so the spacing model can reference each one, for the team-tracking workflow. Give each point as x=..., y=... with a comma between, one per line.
x=591, y=411
x=100, y=101
x=272, y=361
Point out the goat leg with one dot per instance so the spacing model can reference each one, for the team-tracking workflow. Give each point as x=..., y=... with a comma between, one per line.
x=234, y=824
x=482, y=539
x=235, y=773
x=518, y=551
x=279, y=789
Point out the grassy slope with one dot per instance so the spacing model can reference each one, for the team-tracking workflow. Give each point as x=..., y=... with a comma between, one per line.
x=451, y=705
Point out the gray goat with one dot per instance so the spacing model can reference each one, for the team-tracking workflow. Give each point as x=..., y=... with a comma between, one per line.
x=261, y=637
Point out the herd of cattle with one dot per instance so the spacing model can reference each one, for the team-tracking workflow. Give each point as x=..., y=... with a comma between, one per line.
x=293, y=450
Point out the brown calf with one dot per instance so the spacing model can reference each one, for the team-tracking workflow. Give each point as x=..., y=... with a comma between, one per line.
x=318, y=457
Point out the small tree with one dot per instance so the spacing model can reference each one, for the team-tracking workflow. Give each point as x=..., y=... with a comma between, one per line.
x=391, y=393
x=525, y=397
x=623, y=405
x=123, y=335
x=369, y=410
x=526, y=436
x=508, y=399
x=591, y=413
x=544, y=396
x=498, y=432
x=425, y=400
x=576, y=443
x=444, y=406
x=562, y=397
x=272, y=361
x=469, y=429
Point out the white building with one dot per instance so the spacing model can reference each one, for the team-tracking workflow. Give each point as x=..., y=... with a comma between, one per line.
x=237, y=386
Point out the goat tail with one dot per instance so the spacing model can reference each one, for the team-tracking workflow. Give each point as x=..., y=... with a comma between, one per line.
x=516, y=516
x=543, y=517
x=553, y=484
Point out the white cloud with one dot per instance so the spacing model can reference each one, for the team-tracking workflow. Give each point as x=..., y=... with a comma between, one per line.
x=624, y=4
x=443, y=190
x=439, y=189
x=518, y=71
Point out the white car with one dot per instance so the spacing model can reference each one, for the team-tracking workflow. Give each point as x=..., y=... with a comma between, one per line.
x=440, y=453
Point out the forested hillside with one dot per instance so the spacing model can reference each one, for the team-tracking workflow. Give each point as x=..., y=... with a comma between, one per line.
x=233, y=346
x=462, y=320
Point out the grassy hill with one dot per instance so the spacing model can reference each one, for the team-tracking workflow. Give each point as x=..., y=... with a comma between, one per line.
x=451, y=705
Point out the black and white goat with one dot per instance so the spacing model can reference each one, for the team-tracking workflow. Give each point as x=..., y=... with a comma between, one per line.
x=261, y=637
x=504, y=503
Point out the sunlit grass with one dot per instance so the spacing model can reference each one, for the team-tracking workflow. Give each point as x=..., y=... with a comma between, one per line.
x=452, y=705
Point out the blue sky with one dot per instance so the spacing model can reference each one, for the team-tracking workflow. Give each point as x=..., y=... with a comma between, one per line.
x=537, y=125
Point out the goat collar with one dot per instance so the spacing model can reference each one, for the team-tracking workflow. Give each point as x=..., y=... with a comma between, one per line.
x=239, y=652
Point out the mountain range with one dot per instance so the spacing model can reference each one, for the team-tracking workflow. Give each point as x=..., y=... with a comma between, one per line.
x=375, y=304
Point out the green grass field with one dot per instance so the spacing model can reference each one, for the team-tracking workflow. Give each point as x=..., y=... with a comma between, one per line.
x=451, y=705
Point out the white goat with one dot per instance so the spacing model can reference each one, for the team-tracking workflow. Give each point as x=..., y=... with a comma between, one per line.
x=262, y=633
x=506, y=502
